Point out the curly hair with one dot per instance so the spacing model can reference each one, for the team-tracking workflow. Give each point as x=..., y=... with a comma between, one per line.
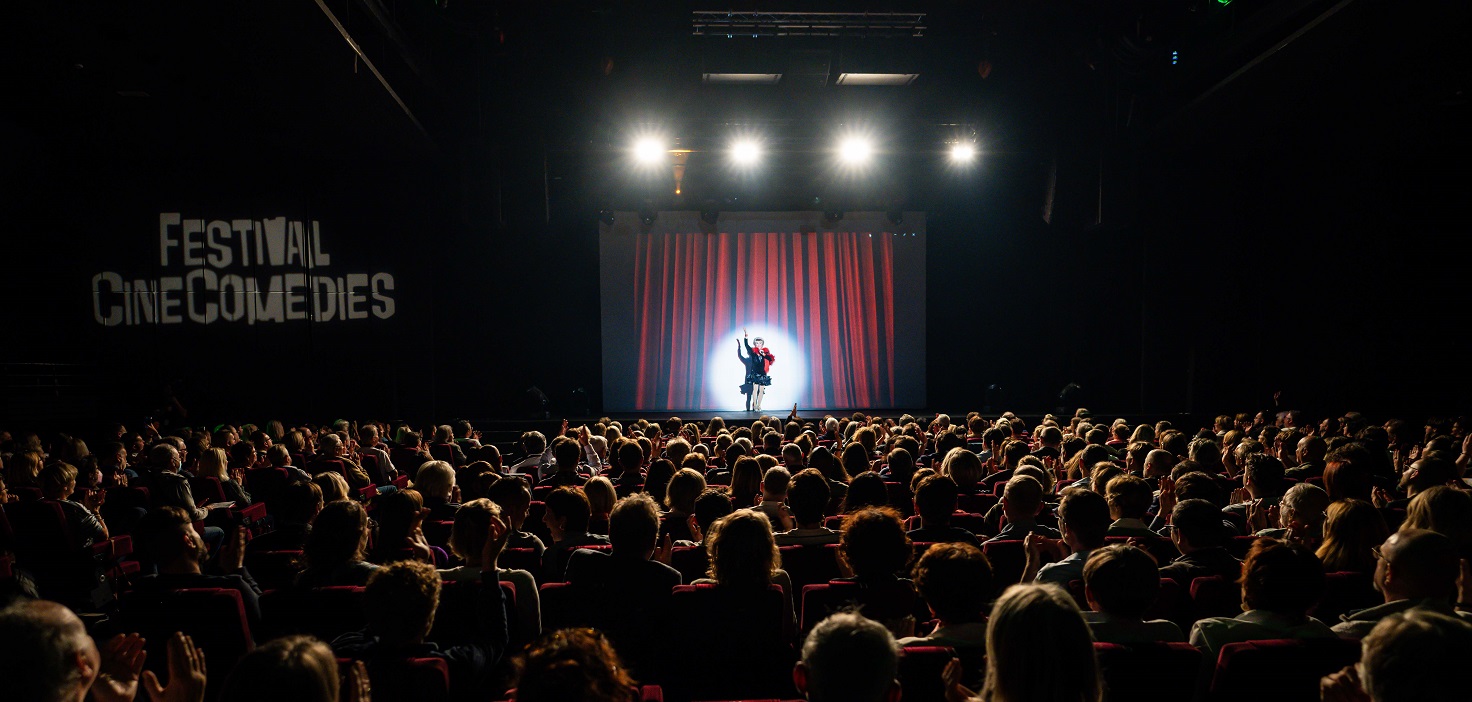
x=400, y=601
x=874, y=543
x=742, y=551
x=572, y=664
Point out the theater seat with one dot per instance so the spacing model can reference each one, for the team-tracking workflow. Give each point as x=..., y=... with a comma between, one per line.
x=819, y=601
x=1169, y=603
x=811, y=564
x=1345, y=592
x=520, y=558
x=438, y=532
x=691, y=561
x=443, y=452
x=920, y=672
x=406, y=679
x=1008, y=559
x=744, y=650
x=1163, y=549
x=455, y=620
x=1215, y=597
x=214, y=617
x=976, y=504
x=1279, y=669
x=323, y=612
x=1149, y=671
x=561, y=608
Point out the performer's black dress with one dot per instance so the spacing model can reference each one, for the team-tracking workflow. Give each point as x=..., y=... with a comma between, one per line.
x=754, y=366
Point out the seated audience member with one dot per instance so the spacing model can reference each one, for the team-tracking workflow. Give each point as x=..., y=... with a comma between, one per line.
x=444, y=435
x=215, y=463
x=1446, y=511
x=1121, y=582
x=630, y=585
x=370, y=444
x=515, y=500
x=1129, y=499
x=21, y=468
x=1413, y=656
x=167, y=486
x=473, y=525
x=657, y=478
x=1310, y=458
x=46, y=655
x=534, y=448
x=1349, y=472
x=1353, y=529
x=1083, y=517
x=601, y=496
x=848, y=658
x=58, y=483
x=400, y=602
x=1428, y=472
x=1158, y=464
x=900, y=466
x=280, y=457
x=334, y=487
x=1281, y=582
x=744, y=557
x=332, y=449
x=567, y=454
x=955, y=580
x=335, y=547
x=746, y=481
x=1198, y=533
x=1022, y=499
x=166, y=538
x=961, y=466
x=807, y=498
x=1099, y=477
x=1037, y=648
x=1416, y=569
x=1262, y=483
x=294, y=669
x=684, y=488
x=566, y=517
x=1300, y=516
x=299, y=506
x=774, y=497
x=874, y=548
x=400, y=516
x=435, y=483
x=573, y=664
x=865, y=490
x=935, y=501
x=712, y=504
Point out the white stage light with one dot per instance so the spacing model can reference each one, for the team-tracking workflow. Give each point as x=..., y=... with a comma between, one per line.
x=649, y=150
x=745, y=152
x=962, y=153
x=855, y=150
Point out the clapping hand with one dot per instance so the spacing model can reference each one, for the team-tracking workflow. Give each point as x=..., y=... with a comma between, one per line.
x=1167, y=495
x=495, y=544
x=1343, y=686
x=951, y=677
x=664, y=550
x=187, y=674
x=695, y=532
x=122, y=662
x=1380, y=497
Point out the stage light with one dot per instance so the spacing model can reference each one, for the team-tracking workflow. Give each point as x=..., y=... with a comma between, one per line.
x=745, y=152
x=855, y=150
x=963, y=153
x=649, y=150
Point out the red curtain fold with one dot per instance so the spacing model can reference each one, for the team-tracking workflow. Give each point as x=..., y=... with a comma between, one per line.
x=833, y=292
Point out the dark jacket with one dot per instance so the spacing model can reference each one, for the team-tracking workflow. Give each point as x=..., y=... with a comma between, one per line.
x=1203, y=563
x=241, y=582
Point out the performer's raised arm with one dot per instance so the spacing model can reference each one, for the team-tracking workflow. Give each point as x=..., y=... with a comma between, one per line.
x=740, y=356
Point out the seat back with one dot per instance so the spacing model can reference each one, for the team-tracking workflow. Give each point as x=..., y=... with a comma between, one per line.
x=1279, y=669
x=323, y=612
x=810, y=565
x=975, y=504
x=437, y=532
x=406, y=679
x=750, y=658
x=691, y=561
x=455, y=620
x=561, y=608
x=520, y=559
x=1162, y=670
x=1008, y=558
x=207, y=490
x=213, y=617
x=1163, y=549
x=443, y=452
x=370, y=465
x=920, y=672
x=274, y=570
x=1345, y=592
x=819, y=601
x=1215, y=596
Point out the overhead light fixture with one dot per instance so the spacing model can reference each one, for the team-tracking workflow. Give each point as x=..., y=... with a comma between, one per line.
x=963, y=153
x=741, y=78
x=876, y=78
x=745, y=152
x=855, y=150
x=649, y=150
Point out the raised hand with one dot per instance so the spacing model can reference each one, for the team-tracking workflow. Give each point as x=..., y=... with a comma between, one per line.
x=187, y=674
x=951, y=676
x=1257, y=517
x=495, y=544
x=1167, y=495
x=232, y=552
x=122, y=662
x=1343, y=686
x=664, y=550
x=695, y=532
x=1241, y=495
x=1380, y=497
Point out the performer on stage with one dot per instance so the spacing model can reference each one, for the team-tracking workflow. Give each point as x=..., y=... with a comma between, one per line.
x=758, y=361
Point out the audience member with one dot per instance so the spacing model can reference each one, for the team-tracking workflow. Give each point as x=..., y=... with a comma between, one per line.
x=1281, y=581
x=1353, y=530
x=1198, y=533
x=299, y=505
x=1022, y=499
x=515, y=499
x=1415, y=569
x=807, y=498
x=58, y=483
x=566, y=517
x=935, y=501
x=1121, y=583
x=166, y=538
x=955, y=579
x=1446, y=511
x=573, y=664
x=848, y=658
x=1129, y=499
x=435, y=483
x=684, y=488
x=774, y=497
x=1083, y=517
x=294, y=669
x=1413, y=656
x=474, y=523
x=1037, y=648
x=335, y=547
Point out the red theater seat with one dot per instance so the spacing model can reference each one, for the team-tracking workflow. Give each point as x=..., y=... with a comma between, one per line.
x=747, y=652
x=443, y=452
x=274, y=570
x=1163, y=549
x=810, y=565
x=1008, y=559
x=920, y=672
x=520, y=558
x=406, y=679
x=1345, y=592
x=819, y=601
x=691, y=561
x=1279, y=669
x=1215, y=597
x=1149, y=671
x=214, y=617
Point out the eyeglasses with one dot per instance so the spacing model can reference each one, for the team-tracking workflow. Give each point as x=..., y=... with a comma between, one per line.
x=1378, y=555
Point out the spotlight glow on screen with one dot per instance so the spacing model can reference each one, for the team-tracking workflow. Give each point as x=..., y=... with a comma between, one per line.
x=724, y=373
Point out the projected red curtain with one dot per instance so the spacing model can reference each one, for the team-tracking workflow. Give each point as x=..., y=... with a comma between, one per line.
x=831, y=291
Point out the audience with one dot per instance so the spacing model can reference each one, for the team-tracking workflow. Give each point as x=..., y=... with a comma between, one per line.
x=848, y=658
x=474, y=524
x=807, y=498
x=1198, y=533
x=1281, y=581
x=573, y=664
x=1037, y=648
x=1022, y=499
x=1353, y=529
x=1083, y=517
x=566, y=519
x=1121, y=583
x=294, y=669
x=955, y=580
x=1413, y=656
x=935, y=501
x=1415, y=569
x=336, y=546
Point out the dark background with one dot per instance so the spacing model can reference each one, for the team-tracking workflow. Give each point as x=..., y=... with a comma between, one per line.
x=1280, y=209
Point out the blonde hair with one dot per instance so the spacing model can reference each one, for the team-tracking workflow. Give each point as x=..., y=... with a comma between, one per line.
x=435, y=479
x=334, y=487
x=1351, y=529
x=472, y=528
x=600, y=494
x=1039, y=648
x=213, y=463
x=964, y=467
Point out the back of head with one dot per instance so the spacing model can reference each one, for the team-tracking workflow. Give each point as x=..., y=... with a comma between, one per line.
x=633, y=525
x=1129, y=496
x=1282, y=577
x=964, y=467
x=808, y=495
x=159, y=535
x=1416, y=656
x=1086, y=514
x=511, y=494
x=742, y=551
x=1023, y=496
x=400, y=601
x=1122, y=580
x=1347, y=472
x=1197, y=485
x=776, y=480
x=866, y=490
x=1444, y=510
x=684, y=487
x=956, y=581
x=300, y=502
x=471, y=529
x=338, y=535
x=712, y=504
x=1039, y=648
x=435, y=479
x=39, y=642
x=1266, y=472
x=874, y=543
x=849, y=658
x=1305, y=503
x=1351, y=529
x=935, y=500
x=1421, y=564
x=1199, y=522
x=572, y=505
x=55, y=479
x=572, y=664
x=290, y=669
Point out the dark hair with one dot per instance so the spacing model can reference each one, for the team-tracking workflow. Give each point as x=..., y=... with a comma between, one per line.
x=1281, y=577
x=1347, y=472
x=1086, y=514
x=158, y=533
x=956, y=581
x=572, y=505
x=299, y=502
x=289, y=669
x=657, y=480
x=633, y=524
x=935, y=500
x=807, y=495
x=874, y=543
x=853, y=460
x=337, y=536
x=866, y=490
x=1200, y=522
x=400, y=601
x=572, y=664
x=712, y=504
x=1130, y=495
x=1122, y=579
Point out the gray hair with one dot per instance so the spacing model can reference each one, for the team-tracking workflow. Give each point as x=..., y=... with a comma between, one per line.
x=1302, y=500
x=850, y=657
